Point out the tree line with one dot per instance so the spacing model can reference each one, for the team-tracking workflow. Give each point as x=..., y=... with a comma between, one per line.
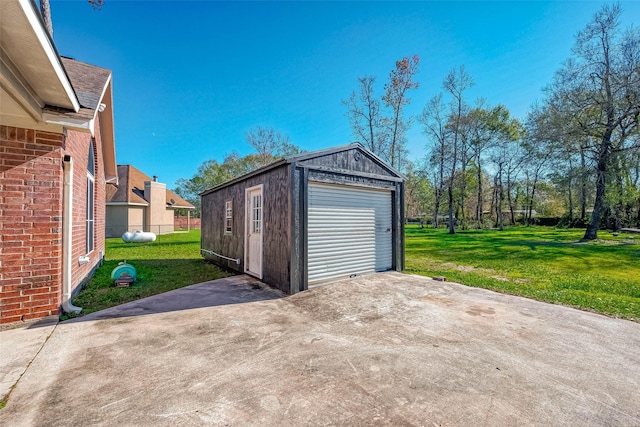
x=575, y=155
x=578, y=151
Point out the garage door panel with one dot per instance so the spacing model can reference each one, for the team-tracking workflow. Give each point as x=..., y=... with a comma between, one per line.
x=349, y=231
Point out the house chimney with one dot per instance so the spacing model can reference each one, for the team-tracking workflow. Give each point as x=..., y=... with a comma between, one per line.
x=156, y=214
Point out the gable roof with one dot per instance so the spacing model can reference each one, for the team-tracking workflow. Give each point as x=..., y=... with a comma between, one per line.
x=308, y=157
x=130, y=190
x=89, y=84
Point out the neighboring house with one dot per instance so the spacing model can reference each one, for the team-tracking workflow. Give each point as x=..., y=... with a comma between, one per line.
x=309, y=218
x=138, y=202
x=57, y=152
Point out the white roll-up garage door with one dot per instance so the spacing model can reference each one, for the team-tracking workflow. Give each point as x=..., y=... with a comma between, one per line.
x=349, y=231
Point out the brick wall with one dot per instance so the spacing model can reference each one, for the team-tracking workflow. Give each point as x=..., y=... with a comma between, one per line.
x=30, y=223
x=31, y=209
x=77, y=146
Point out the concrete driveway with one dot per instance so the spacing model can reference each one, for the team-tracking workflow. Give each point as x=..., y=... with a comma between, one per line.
x=386, y=349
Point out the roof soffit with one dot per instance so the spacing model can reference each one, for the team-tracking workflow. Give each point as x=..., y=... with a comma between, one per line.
x=21, y=30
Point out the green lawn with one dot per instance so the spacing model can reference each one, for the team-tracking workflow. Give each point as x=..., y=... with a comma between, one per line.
x=171, y=262
x=544, y=263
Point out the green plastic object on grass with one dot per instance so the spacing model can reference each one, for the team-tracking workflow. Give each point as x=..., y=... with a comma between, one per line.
x=124, y=269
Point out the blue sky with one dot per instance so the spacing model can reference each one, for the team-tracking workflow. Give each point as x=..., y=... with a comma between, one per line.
x=191, y=77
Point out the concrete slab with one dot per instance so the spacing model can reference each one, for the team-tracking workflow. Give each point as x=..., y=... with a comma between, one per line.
x=386, y=349
x=229, y=290
x=19, y=344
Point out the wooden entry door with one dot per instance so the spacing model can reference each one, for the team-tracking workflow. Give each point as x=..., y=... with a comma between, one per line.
x=253, y=232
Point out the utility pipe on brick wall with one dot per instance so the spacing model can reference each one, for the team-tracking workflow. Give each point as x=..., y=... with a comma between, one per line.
x=67, y=226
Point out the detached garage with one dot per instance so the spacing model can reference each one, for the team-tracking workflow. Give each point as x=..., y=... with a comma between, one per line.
x=308, y=219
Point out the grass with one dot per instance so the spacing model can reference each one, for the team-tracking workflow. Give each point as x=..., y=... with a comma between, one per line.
x=543, y=263
x=171, y=262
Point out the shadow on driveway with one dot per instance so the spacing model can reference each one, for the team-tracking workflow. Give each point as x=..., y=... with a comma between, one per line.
x=225, y=291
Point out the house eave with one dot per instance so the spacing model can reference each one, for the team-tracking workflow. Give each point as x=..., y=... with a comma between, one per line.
x=107, y=132
x=42, y=70
x=84, y=125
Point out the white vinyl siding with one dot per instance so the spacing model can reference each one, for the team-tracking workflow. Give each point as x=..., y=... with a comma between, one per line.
x=349, y=231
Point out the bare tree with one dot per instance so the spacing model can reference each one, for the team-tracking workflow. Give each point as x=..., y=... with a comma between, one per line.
x=506, y=136
x=363, y=112
x=434, y=120
x=396, y=97
x=269, y=144
x=455, y=83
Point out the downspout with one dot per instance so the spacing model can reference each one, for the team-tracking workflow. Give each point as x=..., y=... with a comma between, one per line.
x=67, y=225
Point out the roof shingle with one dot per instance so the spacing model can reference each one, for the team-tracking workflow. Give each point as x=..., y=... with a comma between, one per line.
x=130, y=189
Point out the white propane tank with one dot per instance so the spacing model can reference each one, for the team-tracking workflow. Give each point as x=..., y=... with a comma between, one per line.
x=138, y=236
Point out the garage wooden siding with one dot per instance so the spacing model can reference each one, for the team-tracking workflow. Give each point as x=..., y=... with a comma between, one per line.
x=349, y=231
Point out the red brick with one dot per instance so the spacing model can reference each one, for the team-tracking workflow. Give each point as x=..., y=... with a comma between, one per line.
x=36, y=306
x=48, y=272
x=39, y=314
x=37, y=279
x=51, y=142
x=21, y=174
x=11, y=244
x=9, y=319
x=35, y=291
x=10, y=269
x=12, y=162
x=11, y=181
x=10, y=284
x=10, y=294
x=15, y=300
x=39, y=304
x=18, y=312
x=45, y=134
x=49, y=298
x=13, y=156
x=13, y=211
x=7, y=307
x=39, y=147
x=26, y=152
x=13, y=252
x=20, y=287
x=13, y=145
